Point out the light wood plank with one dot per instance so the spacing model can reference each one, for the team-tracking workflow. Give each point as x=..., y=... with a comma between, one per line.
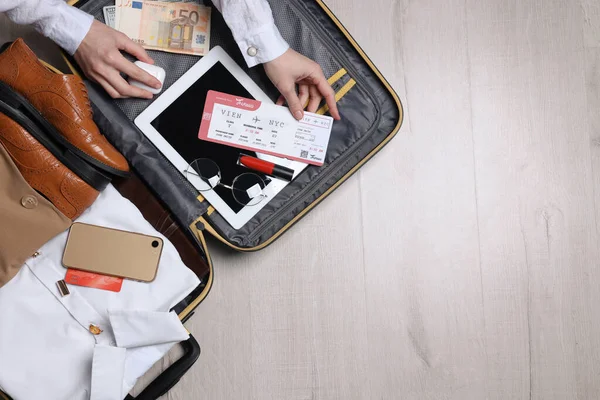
x=591, y=22
x=425, y=315
x=535, y=199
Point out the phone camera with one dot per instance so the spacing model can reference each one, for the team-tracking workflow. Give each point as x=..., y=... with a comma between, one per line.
x=155, y=243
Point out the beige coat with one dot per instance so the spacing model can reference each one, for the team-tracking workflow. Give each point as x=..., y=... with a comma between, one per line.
x=27, y=220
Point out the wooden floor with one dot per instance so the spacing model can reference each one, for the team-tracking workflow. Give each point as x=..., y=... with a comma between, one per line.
x=462, y=262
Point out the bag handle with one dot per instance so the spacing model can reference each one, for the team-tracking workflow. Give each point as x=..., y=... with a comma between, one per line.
x=169, y=378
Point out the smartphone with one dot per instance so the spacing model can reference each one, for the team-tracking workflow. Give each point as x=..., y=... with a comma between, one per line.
x=112, y=252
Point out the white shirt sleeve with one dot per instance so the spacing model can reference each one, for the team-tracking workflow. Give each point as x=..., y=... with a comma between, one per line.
x=253, y=28
x=65, y=25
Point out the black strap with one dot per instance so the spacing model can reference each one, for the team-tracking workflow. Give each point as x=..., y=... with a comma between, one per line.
x=5, y=46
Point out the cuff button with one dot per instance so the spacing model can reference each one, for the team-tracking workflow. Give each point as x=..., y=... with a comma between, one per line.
x=29, y=202
x=252, y=51
x=95, y=330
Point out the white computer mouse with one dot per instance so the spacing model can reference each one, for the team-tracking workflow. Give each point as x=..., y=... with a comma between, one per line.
x=153, y=70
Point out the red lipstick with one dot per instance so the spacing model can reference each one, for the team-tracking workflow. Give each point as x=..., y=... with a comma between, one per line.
x=267, y=168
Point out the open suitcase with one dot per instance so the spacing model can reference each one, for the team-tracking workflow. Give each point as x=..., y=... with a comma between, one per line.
x=371, y=115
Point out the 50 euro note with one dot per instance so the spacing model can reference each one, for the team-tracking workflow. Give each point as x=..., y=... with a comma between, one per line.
x=128, y=16
x=174, y=27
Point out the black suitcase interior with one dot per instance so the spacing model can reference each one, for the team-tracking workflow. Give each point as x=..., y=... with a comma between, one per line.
x=371, y=115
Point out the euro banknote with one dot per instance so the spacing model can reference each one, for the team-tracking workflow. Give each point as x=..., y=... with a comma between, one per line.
x=176, y=27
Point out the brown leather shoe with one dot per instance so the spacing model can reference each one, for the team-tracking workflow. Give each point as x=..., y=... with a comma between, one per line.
x=62, y=100
x=69, y=194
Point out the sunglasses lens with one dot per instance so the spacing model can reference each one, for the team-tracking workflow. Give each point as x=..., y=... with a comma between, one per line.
x=248, y=189
x=204, y=173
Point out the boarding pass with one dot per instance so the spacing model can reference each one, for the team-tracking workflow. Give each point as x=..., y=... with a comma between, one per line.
x=265, y=128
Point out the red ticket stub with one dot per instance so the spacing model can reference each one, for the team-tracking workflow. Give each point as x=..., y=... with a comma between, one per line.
x=265, y=128
x=90, y=279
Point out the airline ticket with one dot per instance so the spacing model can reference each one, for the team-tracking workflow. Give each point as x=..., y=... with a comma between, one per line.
x=265, y=128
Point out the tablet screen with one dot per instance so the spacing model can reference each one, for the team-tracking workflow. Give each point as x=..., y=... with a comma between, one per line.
x=180, y=122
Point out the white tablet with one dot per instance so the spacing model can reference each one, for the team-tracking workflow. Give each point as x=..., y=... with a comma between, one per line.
x=172, y=123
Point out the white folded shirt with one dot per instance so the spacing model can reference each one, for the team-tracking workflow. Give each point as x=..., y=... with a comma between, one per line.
x=145, y=328
x=46, y=348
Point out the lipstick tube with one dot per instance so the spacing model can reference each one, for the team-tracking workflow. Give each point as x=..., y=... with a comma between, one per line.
x=267, y=168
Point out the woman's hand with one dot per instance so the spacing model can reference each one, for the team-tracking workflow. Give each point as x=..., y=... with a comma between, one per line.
x=291, y=69
x=101, y=60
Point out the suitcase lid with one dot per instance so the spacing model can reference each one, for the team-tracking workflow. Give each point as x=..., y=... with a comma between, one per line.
x=371, y=110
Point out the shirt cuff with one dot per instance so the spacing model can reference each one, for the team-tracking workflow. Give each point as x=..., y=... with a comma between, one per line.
x=262, y=46
x=69, y=27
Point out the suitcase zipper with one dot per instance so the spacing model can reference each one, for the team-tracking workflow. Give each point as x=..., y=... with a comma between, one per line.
x=302, y=195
